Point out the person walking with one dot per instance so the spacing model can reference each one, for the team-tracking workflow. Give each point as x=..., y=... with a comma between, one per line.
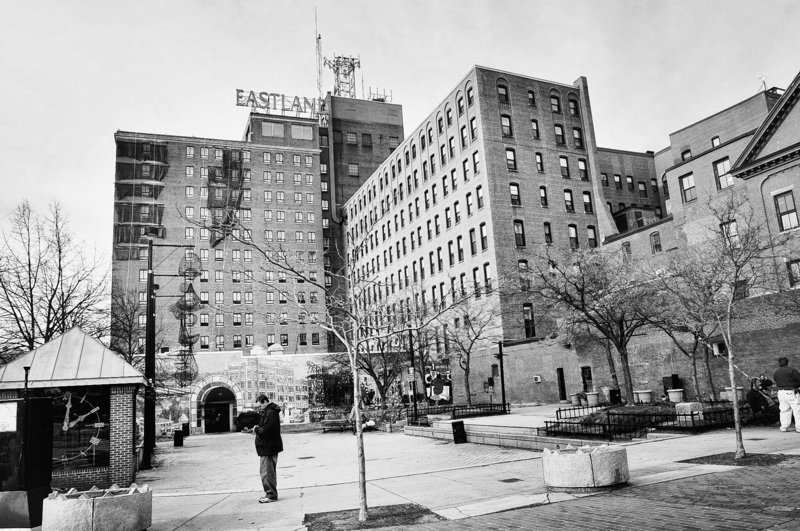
x=268, y=445
x=787, y=379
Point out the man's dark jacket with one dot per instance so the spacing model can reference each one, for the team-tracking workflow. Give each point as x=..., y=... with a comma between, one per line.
x=268, y=431
x=787, y=378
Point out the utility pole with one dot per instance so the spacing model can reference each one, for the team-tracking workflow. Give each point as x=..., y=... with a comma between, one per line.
x=150, y=364
x=499, y=356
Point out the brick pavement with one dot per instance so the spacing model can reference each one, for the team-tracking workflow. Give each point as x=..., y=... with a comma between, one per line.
x=757, y=498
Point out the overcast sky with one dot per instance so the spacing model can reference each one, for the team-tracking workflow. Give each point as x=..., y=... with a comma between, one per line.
x=74, y=72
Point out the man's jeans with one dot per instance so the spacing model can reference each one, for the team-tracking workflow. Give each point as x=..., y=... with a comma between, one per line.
x=790, y=403
x=269, y=478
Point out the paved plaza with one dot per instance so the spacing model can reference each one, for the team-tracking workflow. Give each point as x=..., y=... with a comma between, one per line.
x=212, y=483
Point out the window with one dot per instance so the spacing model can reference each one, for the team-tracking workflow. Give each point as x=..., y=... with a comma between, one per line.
x=218, y=154
x=502, y=93
x=449, y=115
x=189, y=192
x=564, y=162
x=511, y=159
x=583, y=171
x=515, y=198
x=686, y=154
x=577, y=137
x=539, y=163
x=592, y=235
x=189, y=152
x=573, y=237
x=642, y=188
x=473, y=242
x=272, y=129
x=639, y=217
x=655, y=243
x=587, y=202
x=665, y=187
x=531, y=98
x=568, y=204
x=505, y=125
x=715, y=142
x=279, y=159
x=366, y=139
x=470, y=99
x=484, y=237
x=352, y=138
x=617, y=180
x=555, y=103
x=793, y=267
x=629, y=181
x=559, y=130
x=730, y=231
x=352, y=170
x=473, y=128
x=479, y=196
x=573, y=108
x=543, y=195
x=786, y=210
x=527, y=318
x=722, y=171
x=519, y=233
x=688, y=192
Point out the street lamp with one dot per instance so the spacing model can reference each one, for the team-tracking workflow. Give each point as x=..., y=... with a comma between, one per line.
x=413, y=373
x=500, y=357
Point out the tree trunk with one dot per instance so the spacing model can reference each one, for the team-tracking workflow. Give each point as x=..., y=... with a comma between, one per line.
x=709, y=377
x=626, y=374
x=695, y=382
x=611, y=366
x=362, y=472
x=466, y=385
x=737, y=421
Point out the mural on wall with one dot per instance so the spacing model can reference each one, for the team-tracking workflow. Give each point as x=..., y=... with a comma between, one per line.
x=438, y=384
x=283, y=378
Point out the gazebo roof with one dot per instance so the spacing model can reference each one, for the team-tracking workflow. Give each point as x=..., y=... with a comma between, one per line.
x=72, y=359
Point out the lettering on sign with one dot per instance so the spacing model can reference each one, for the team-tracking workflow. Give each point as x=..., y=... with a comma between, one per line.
x=274, y=103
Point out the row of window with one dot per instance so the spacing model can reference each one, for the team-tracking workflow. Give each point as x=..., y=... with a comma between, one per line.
x=569, y=204
x=219, y=340
x=507, y=130
x=267, y=157
x=563, y=161
x=722, y=178
x=639, y=185
x=555, y=99
x=572, y=230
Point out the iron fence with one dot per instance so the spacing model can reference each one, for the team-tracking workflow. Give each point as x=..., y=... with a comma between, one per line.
x=457, y=412
x=622, y=425
x=577, y=412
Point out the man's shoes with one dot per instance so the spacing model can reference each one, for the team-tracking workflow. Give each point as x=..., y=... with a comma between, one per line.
x=264, y=499
x=784, y=429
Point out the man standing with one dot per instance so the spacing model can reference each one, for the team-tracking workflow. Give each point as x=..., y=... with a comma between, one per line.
x=268, y=445
x=788, y=381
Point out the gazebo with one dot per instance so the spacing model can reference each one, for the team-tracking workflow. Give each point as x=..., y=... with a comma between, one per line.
x=94, y=408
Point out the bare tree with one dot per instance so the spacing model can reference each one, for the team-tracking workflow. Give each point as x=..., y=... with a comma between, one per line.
x=127, y=326
x=591, y=290
x=47, y=283
x=470, y=326
x=734, y=261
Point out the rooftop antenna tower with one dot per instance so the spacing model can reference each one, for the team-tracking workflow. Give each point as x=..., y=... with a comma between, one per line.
x=763, y=79
x=344, y=70
x=319, y=55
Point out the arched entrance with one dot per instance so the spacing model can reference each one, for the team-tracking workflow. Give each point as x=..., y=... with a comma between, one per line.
x=214, y=403
x=218, y=410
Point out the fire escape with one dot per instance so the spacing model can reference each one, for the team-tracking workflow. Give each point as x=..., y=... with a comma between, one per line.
x=225, y=194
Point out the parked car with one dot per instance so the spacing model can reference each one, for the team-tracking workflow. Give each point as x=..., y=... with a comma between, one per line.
x=247, y=420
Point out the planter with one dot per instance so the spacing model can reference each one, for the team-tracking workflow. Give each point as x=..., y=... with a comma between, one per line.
x=675, y=395
x=739, y=393
x=585, y=469
x=575, y=399
x=593, y=398
x=129, y=509
x=644, y=397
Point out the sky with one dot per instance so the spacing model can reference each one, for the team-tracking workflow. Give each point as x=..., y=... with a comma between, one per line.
x=74, y=72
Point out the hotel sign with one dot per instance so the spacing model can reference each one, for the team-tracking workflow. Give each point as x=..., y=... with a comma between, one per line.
x=273, y=103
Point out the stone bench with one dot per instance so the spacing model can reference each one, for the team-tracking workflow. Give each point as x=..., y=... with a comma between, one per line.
x=585, y=468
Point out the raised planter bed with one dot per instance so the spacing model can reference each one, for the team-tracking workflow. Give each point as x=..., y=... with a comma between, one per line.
x=128, y=509
x=586, y=468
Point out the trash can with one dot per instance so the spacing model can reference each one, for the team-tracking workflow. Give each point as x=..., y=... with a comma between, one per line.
x=185, y=429
x=615, y=396
x=459, y=433
x=178, y=437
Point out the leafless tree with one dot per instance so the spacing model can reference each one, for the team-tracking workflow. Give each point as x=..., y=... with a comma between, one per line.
x=470, y=326
x=48, y=284
x=734, y=261
x=591, y=290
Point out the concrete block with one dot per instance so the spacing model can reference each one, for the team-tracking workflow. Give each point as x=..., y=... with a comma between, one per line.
x=67, y=514
x=129, y=509
x=127, y=512
x=686, y=410
x=14, y=509
x=585, y=467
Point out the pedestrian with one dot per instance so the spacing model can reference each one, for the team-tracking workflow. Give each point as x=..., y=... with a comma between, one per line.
x=787, y=379
x=268, y=445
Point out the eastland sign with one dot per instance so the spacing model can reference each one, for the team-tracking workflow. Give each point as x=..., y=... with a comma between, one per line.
x=272, y=102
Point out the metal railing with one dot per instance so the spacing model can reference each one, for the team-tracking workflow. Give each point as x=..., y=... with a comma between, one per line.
x=458, y=412
x=577, y=412
x=622, y=426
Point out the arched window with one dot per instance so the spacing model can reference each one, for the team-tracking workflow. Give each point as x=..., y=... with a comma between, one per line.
x=555, y=103
x=502, y=93
x=573, y=107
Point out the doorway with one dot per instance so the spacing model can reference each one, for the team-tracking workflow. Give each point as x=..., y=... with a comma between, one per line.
x=586, y=376
x=562, y=386
x=218, y=409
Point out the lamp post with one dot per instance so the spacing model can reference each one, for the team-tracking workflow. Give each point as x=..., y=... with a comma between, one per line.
x=500, y=356
x=413, y=372
x=150, y=364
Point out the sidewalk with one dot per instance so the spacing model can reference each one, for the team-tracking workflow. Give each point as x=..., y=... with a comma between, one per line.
x=213, y=483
